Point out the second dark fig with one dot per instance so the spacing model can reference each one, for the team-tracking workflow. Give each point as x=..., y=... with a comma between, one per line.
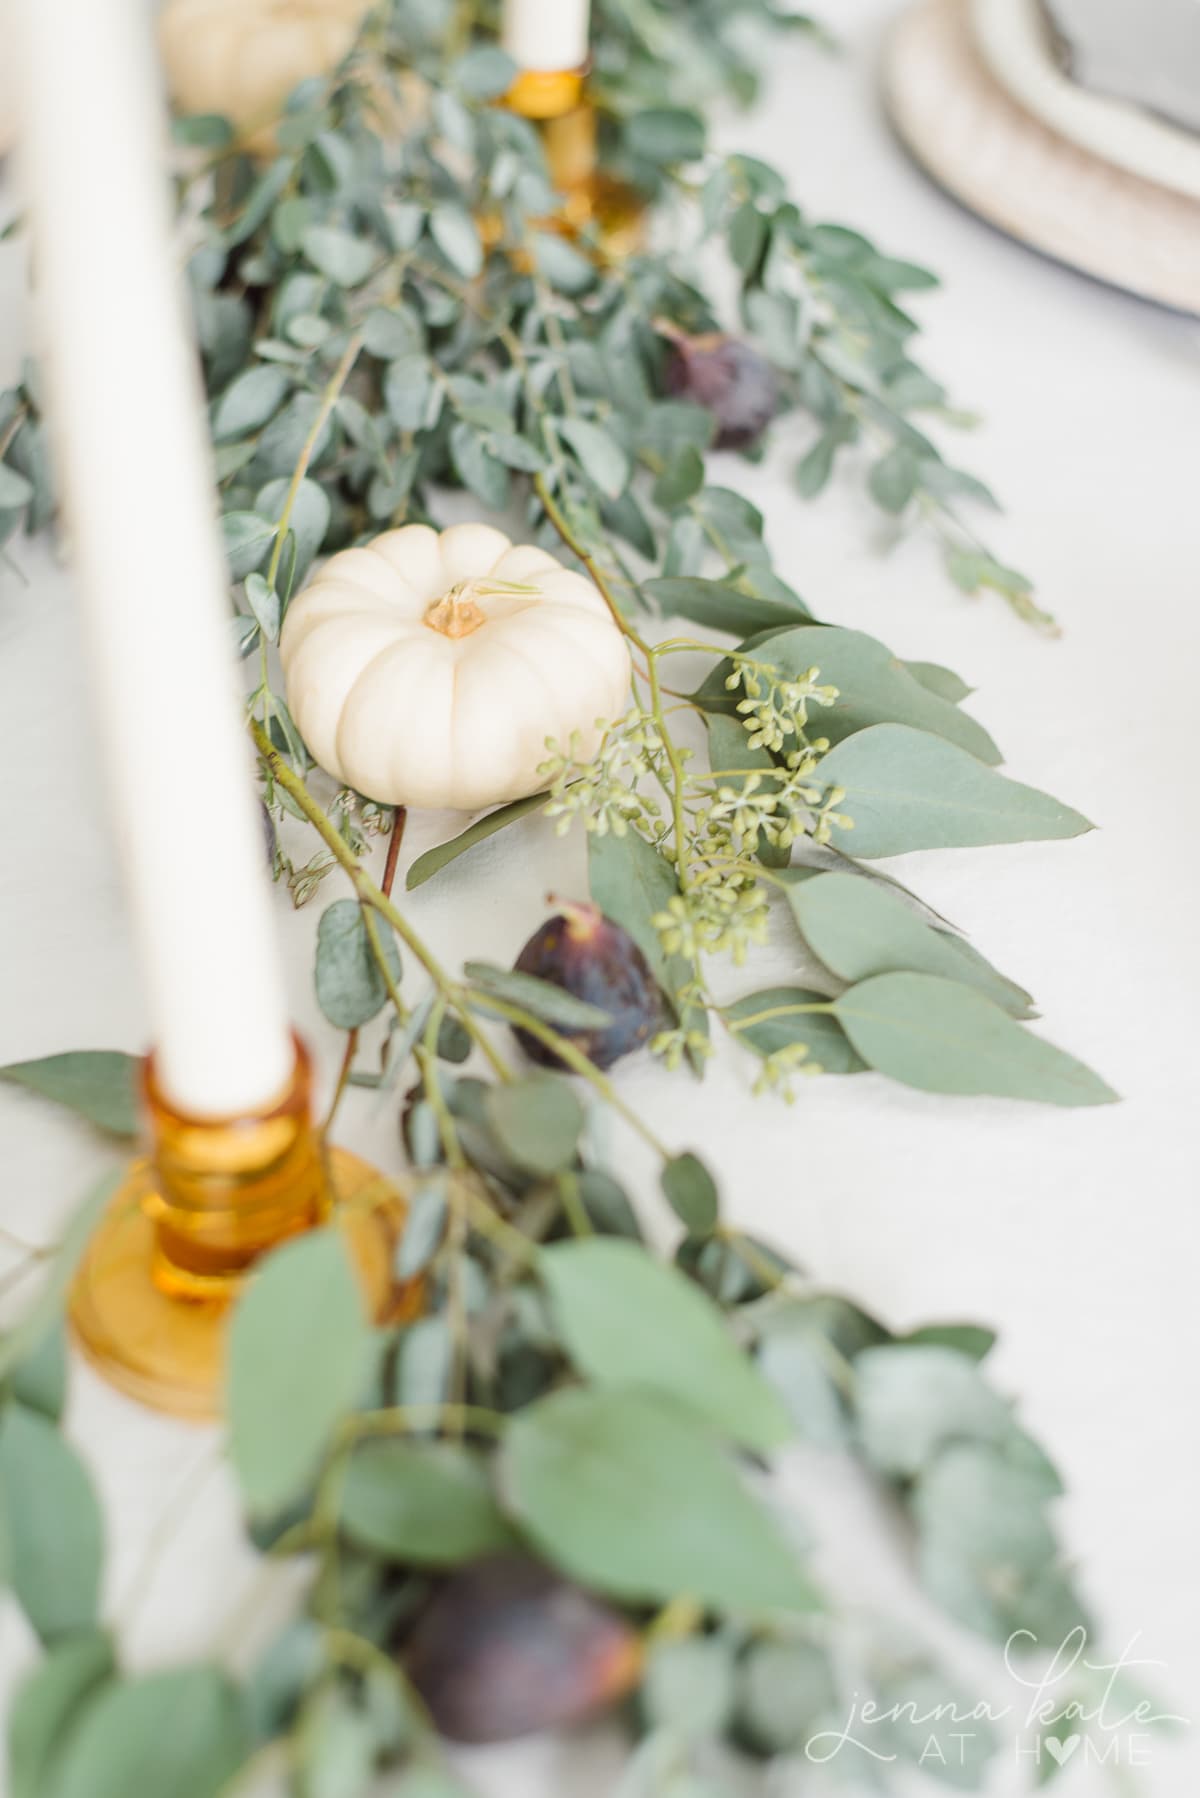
x=507, y=1648
x=588, y=956
x=728, y=378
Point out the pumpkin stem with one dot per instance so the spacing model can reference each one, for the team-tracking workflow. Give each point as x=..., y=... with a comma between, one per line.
x=456, y=613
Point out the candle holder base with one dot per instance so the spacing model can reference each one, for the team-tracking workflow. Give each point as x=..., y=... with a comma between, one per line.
x=166, y=1347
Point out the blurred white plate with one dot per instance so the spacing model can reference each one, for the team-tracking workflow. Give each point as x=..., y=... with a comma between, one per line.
x=973, y=138
x=1014, y=39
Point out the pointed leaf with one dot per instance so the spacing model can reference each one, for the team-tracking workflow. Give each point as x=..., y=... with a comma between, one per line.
x=630, y=1320
x=100, y=1084
x=945, y=1038
x=426, y=1503
x=53, y=1524
x=170, y=1735
x=908, y=790
x=631, y=1496
x=299, y=1346
x=631, y=882
x=874, y=687
x=537, y=1121
x=600, y=455
x=691, y=1193
x=48, y=1704
x=434, y=860
x=720, y=606
x=857, y=928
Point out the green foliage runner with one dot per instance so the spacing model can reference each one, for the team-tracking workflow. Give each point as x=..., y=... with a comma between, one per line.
x=383, y=312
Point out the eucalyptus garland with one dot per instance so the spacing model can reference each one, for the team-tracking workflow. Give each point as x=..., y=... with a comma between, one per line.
x=558, y=1461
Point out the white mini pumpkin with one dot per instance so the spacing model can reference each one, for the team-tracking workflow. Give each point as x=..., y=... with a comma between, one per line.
x=242, y=58
x=428, y=669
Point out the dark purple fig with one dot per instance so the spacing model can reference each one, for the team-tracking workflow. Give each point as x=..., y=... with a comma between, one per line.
x=593, y=959
x=506, y=1648
x=728, y=378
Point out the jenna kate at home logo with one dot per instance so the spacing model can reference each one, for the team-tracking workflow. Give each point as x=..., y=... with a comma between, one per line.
x=1072, y=1709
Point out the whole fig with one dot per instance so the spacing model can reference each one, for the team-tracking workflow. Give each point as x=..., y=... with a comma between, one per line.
x=592, y=958
x=728, y=378
x=507, y=1648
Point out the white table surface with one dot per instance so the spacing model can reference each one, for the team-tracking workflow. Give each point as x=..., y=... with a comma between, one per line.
x=1076, y=1233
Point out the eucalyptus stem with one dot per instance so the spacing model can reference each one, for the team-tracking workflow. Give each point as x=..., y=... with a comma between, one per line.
x=329, y=399
x=456, y=995
x=562, y=525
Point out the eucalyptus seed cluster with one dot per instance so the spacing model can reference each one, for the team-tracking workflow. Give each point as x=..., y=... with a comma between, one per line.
x=719, y=820
x=605, y=792
x=778, y=1069
x=775, y=707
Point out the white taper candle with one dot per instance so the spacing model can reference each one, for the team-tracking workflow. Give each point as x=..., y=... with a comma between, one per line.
x=547, y=34
x=128, y=417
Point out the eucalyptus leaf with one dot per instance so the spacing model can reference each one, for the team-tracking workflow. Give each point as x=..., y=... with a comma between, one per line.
x=691, y=1193
x=25, y=1337
x=53, y=1523
x=47, y=1706
x=626, y=1493
x=298, y=1352
x=407, y=385
x=101, y=1085
x=688, y=1686
x=39, y=1381
x=563, y=267
x=351, y=989
x=167, y=1735
x=248, y=538
x=857, y=928
x=537, y=1121
x=543, y=998
x=631, y=882
x=666, y=134
x=780, y=1016
x=481, y=471
x=906, y=789
x=893, y=479
x=912, y=1399
x=786, y=1690
x=942, y=1037
x=873, y=687
x=426, y=1504
x=15, y=490
x=307, y=523
x=249, y=401
x=720, y=606
x=629, y=1320
x=453, y=231
x=600, y=455
x=942, y=681
x=346, y=259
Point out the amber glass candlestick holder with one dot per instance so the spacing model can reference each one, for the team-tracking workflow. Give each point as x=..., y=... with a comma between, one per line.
x=557, y=102
x=154, y=1291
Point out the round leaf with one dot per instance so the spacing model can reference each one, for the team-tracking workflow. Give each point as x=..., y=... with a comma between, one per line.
x=298, y=1353
x=691, y=1193
x=53, y=1525
x=350, y=986
x=172, y=1735
x=629, y=1495
x=628, y=1319
x=426, y=1503
x=538, y=1121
